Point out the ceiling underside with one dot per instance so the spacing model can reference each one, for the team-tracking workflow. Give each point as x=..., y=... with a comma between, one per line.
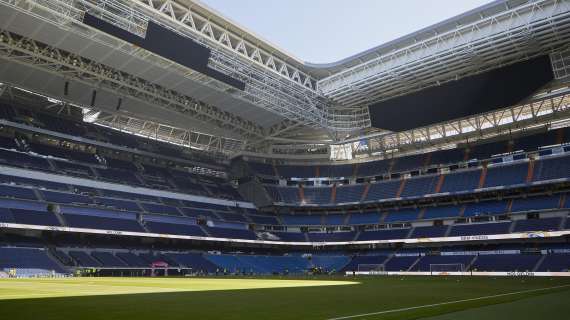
x=161, y=73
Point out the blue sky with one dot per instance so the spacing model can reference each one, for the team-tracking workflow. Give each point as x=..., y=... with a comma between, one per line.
x=329, y=30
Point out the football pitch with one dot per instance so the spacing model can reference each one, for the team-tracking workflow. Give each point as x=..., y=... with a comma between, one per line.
x=433, y=298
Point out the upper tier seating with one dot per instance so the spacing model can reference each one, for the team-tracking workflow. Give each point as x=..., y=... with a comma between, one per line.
x=383, y=190
x=177, y=229
x=506, y=174
x=264, y=219
x=415, y=187
x=61, y=197
x=231, y=233
x=463, y=180
x=429, y=232
x=416, y=162
x=262, y=168
x=409, y=163
x=284, y=194
x=547, y=224
x=536, y=203
x=100, y=219
x=340, y=171
x=301, y=220
x=291, y=171
x=349, y=193
x=34, y=217
x=386, y=234
x=317, y=195
x=17, y=192
x=332, y=236
x=25, y=160
x=442, y=212
x=335, y=219
x=552, y=168
x=373, y=168
x=290, y=236
x=401, y=215
x=117, y=203
x=479, y=229
x=364, y=218
x=160, y=209
x=485, y=208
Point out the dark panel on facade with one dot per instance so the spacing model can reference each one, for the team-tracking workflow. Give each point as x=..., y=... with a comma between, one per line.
x=169, y=45
x=492, y=90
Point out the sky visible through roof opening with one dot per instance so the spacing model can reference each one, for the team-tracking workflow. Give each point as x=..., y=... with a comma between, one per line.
x=323, y=31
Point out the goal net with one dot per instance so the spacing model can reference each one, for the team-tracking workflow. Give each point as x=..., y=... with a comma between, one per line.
x=372, y=268
x=449, y=267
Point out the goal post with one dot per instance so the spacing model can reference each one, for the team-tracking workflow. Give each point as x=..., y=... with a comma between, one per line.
x=447, y=267
x=371, y=268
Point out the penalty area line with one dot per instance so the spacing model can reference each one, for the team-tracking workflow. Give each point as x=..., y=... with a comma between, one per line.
x=446, y=303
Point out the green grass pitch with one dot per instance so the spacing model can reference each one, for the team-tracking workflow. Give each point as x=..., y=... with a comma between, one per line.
x=433, y=298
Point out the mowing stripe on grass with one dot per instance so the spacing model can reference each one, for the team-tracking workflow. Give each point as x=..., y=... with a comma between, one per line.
x=445, y=303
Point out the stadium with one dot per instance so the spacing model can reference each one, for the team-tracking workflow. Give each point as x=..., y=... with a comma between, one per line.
x=158, y=160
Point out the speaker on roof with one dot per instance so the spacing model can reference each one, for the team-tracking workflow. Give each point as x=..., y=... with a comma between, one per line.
x=119, y=103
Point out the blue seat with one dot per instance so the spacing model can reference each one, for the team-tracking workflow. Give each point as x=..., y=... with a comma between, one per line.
x=485, y=208
x=506, y=262
x=17, y=192
x=104, y=223
x=349, y=193
x=34, y=217
x=463, y=180
x=420, y=186
x=441, y=212
x=301, y=220
x=383, y=190
x=506, y=174
x=552, y=168
x=480, y=229
x=107, y=259
x=32, y=258
x=387, y=234
x=545, y=224
x=364, y=218
x=536, y=203
x=402, y=215
x=331, y=236
x=429, y=232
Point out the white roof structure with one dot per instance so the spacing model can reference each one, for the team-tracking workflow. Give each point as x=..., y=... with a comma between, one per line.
x=287, y=104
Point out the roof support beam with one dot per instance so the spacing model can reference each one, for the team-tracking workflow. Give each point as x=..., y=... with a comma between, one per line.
x=23, y=50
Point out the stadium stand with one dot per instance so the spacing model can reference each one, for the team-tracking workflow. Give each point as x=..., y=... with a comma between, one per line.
x=277, y=172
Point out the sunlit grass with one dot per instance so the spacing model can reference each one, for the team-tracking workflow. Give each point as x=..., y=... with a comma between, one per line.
x=67, y=287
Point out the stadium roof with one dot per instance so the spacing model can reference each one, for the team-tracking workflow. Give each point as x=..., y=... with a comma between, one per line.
x=220, y=87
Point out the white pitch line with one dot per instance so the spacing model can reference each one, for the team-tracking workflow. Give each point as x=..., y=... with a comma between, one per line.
x=444, y=303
